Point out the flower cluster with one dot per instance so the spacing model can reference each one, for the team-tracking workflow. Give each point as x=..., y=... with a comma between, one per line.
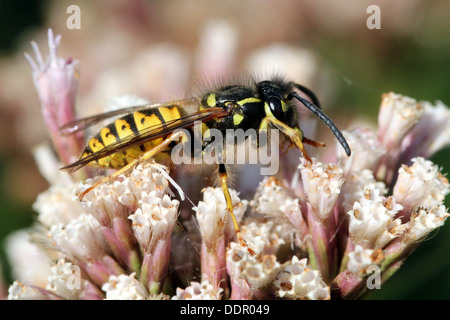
x=296, y=281
x=317, y=235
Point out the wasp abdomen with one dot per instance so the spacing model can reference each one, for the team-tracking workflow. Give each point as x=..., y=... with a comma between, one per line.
x=129, y=125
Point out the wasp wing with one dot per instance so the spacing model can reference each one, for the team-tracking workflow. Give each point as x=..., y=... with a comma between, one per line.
x=149, y=134
x=84, y=123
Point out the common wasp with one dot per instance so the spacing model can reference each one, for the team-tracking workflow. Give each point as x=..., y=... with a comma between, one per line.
x=140, y=133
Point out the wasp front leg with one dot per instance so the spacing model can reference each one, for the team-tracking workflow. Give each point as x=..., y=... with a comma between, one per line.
x=223, y=181
x=294, y=134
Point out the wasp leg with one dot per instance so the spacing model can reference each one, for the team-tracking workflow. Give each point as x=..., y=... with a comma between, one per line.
x=223, y=180
x=143, y=157
x=294, y=134
x=313, y=143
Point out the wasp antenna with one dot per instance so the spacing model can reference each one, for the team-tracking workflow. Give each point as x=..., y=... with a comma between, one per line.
x=308, y=92
x=322, y=116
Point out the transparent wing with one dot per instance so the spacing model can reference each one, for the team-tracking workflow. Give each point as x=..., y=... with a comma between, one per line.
x=84, y=123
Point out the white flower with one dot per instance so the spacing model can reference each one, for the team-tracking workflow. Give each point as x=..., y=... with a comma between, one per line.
x=355, y=185
x=272, y=200
x=20, y=291
x=441, y=114
x=153, y=223
x=57, y=205
x=398, y=114
x=322, y=184
x=81, y=238
x=431, y=134
x=213, y=217
x=102, y=202
x=259, y=271
x=115, y=200
x=366, y=150
x=124, y=287
x=264, y=235
x=297, y=281
x=148, y=177
x=360, y=258
x=198, y=291
x=21, y=251
x=420, y=185
x=372, y=224
x=65, y=280
x=425, y=220
x=154, y=220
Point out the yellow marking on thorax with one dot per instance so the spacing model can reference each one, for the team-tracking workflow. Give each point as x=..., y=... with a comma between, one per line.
x=284, y=106
x=211, y=100
x=123, y=128
x=248, y=100
x=237, y=119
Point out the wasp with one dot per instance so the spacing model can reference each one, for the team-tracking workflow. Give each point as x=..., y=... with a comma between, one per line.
x=140, y=133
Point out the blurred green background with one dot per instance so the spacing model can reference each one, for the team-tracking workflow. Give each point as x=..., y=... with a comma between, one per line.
x=410, y=55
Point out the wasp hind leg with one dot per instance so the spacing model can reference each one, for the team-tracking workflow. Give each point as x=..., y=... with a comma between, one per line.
x=311, y=143
x=223, y=181
x=142, y=158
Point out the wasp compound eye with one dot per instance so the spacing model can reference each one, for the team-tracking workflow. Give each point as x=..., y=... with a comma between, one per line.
x=276, y=108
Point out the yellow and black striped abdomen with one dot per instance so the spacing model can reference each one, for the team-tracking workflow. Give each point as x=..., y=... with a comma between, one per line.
x=129, y=125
